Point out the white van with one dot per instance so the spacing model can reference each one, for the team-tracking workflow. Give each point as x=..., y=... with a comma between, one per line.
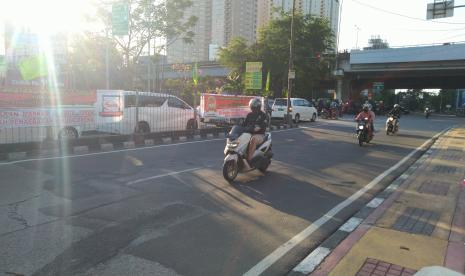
x=126, y=112
x=300, y=109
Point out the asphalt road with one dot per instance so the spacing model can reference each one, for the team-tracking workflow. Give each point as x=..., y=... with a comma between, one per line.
x=166, y=210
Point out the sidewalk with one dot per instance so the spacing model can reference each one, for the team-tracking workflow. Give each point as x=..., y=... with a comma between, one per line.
x=418, y=221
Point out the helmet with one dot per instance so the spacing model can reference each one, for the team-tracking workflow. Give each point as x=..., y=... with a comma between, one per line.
x=255, y=104
x=366, y=108
x=396, y=106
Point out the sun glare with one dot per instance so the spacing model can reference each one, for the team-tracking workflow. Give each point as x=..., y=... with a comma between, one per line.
x=47, y=16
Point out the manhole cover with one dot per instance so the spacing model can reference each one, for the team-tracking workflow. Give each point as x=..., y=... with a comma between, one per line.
x=380, y=268
x=444, y=169
x=434, y=187
x=416, y=221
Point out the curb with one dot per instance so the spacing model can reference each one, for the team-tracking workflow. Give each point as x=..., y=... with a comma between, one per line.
x=107, y=146
x=129, y=145
x=355, y=227
x=13, y=156
x=81, y=149
x=149, y=142
x=166, y=140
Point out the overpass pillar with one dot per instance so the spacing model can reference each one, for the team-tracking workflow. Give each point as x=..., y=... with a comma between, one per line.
x=339, y=75
x=339, y=81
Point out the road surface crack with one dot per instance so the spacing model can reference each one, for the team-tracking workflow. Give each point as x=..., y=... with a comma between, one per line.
x=13, y=213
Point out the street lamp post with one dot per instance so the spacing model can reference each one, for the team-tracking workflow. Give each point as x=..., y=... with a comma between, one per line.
x=291, y=67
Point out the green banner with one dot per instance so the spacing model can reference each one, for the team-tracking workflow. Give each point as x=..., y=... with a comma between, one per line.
x=120, y=18
x=33, y=67
x=253, y=75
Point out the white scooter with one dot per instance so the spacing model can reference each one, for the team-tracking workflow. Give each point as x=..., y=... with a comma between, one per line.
x=392, y=125
x=235, y=152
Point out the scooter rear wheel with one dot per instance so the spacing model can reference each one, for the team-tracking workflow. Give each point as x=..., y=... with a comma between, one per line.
x=230, y=170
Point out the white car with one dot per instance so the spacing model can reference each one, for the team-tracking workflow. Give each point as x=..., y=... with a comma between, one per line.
x=301, y=109
x=126, y=112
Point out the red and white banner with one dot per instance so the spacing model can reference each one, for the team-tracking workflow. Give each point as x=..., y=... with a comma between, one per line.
x=225, y=106
x=45, y=100
x=46, y=117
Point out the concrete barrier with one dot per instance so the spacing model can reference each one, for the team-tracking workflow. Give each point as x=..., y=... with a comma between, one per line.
x=80, y=149
x=210, y=135
x=149, y=142
x=106, y=147
x=182, y=138
x=221, y=135
x=129, y=145
x=16, y=155
x=197, y=137
x=166, y=140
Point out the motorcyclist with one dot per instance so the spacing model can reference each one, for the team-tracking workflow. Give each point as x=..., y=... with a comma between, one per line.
x=396, y=112
x=255, y=122
x=366, y=113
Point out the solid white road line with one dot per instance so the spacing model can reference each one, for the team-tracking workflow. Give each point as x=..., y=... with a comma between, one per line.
x=279, y=252
x=162, y=175
x=309, y=264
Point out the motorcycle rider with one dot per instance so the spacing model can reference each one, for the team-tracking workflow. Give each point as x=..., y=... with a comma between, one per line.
x=396, y=112
x=256, y=124
x=366, y=113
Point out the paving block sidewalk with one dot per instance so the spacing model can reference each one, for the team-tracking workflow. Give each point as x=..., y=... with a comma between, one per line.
x=422, y=223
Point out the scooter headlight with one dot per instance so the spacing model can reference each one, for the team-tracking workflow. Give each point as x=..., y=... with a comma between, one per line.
x=233, y=144
x=391, y=119
x=360, y=127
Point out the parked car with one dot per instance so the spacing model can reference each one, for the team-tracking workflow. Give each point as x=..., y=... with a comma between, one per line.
x=301, y=109
x=126, y=112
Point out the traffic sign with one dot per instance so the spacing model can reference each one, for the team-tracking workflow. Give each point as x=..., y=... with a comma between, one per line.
x=378, y=86
x=440, y=9
x=291, y=74
x=120, y=18
x=253, y=75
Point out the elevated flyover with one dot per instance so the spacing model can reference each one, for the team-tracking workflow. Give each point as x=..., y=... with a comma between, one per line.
x=435, y=66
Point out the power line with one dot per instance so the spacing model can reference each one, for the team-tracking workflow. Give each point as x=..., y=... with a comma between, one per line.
x=405, y=16
x=431, y=30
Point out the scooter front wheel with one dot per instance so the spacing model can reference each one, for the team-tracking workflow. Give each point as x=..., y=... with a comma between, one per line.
x=230, y=170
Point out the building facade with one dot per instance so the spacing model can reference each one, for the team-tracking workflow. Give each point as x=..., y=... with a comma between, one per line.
x=219, y=21
x=320, y=8
x=180, y=51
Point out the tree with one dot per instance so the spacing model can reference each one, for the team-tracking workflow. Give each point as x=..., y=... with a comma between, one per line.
x=150, y=20
x=87, y=62
x=313, y=36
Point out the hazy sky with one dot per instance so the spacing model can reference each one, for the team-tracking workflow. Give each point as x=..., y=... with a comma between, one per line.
x=368, y=16
x=371, y=17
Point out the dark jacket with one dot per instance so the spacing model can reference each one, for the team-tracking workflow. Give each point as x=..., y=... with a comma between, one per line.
x=254, y=119
x=396, y=112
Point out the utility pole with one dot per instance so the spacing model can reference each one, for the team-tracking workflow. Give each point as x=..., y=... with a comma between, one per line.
x=291, y=67
x=356, y=42
x=107, y=61
x=149, y=61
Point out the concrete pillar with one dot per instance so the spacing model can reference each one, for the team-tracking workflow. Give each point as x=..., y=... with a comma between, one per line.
x=339, y=88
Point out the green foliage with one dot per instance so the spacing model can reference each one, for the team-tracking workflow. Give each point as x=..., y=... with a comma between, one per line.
x=149, y=20
x=87, y=62
x=312, y=35
x=416, y=99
